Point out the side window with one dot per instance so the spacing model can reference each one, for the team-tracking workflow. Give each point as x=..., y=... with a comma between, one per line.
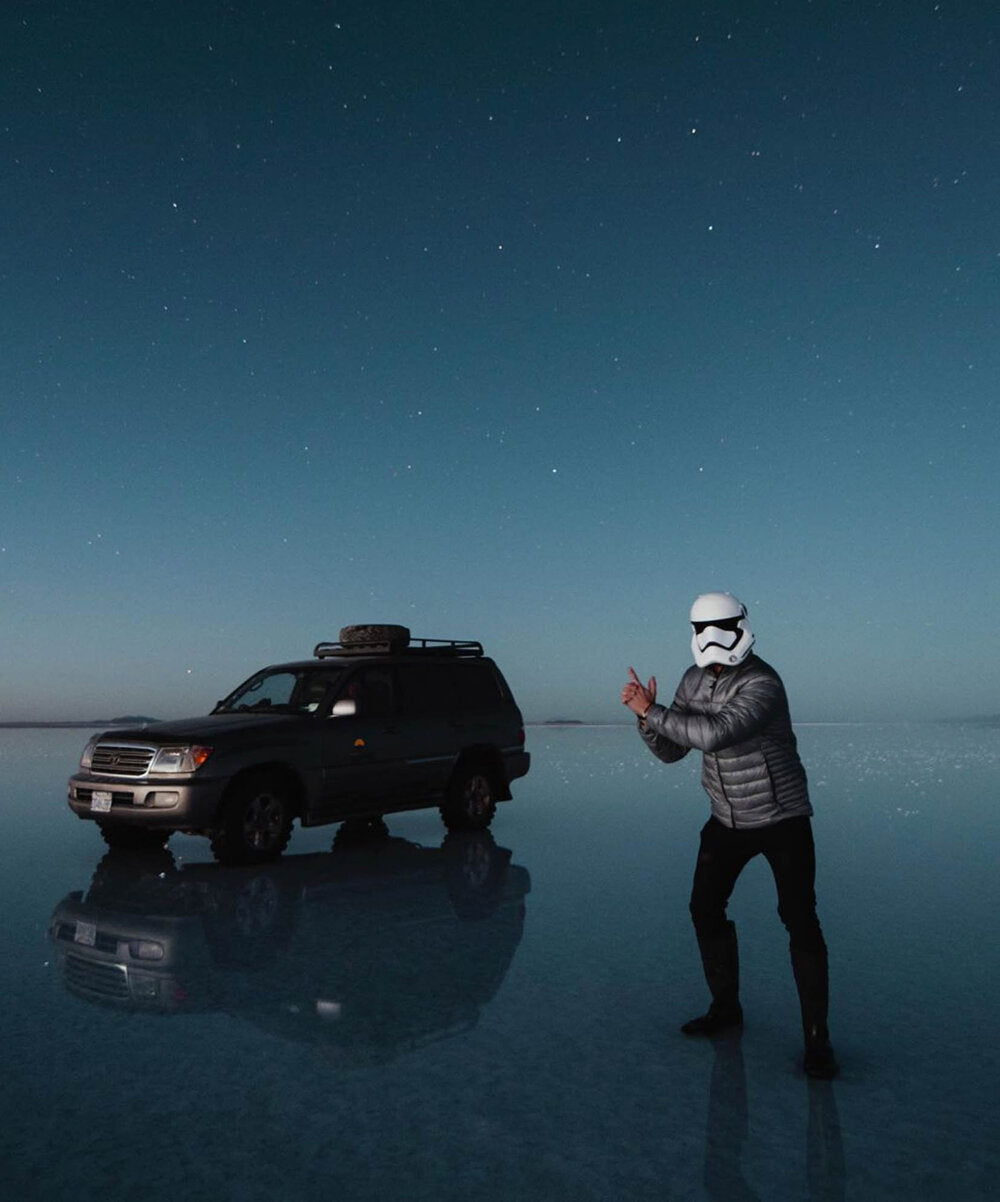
x=372, y=691
x=475, y=687
x=311, y=691
x=425, y=689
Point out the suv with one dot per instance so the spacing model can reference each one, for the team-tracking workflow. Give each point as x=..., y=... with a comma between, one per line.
x=376, y=723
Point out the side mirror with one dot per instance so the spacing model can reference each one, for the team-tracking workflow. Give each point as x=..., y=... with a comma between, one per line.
x=346, y=707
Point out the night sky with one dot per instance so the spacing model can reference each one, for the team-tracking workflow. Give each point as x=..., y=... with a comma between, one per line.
x=519, y=322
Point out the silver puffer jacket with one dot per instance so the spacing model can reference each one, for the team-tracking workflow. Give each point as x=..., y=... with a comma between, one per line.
x=739, y=719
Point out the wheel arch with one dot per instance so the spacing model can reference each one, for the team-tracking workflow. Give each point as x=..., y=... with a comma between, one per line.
x=488, y=759
x=279, y=771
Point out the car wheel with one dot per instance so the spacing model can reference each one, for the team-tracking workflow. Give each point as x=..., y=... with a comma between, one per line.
x=471, y=801
x=253, y=919
x=477, y=870
x=133, y=838
x=256, y=822
x=356, y=832
x=127, y=879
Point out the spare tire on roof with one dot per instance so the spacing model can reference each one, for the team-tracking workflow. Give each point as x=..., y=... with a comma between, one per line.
x=374, y=635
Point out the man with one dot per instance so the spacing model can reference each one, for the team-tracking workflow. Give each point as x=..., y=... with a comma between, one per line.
x=732, y=707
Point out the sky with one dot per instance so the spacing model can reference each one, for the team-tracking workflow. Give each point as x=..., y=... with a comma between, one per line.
x=524, y=323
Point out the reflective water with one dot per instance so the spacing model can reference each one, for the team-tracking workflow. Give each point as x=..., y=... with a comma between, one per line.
x=420, y=1018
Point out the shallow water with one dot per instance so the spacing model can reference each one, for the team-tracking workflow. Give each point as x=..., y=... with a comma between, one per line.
x=499, y=1019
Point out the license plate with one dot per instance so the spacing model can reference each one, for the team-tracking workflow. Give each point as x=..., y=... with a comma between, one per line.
x=86, y=933
x=100, y=803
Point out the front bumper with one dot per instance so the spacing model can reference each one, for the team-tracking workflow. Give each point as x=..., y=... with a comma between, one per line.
x=119, y=959
x=159, y=802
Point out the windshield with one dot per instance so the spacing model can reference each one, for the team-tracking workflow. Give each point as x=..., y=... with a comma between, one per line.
x=284, y=691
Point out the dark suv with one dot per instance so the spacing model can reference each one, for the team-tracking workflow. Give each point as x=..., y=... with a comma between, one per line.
x=373, y=724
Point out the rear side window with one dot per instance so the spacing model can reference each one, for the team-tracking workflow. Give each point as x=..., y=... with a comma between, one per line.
x=446, y=688
x=425, y=689
x=475, y=687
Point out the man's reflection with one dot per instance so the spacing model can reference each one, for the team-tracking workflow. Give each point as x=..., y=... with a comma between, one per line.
x=824, y=1147
x=728, y=1129
x=728, y=1122
x=375, y=947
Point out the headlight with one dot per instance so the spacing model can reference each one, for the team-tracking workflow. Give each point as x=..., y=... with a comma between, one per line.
x=88, y=751
x=186, y=758
x=145, y=949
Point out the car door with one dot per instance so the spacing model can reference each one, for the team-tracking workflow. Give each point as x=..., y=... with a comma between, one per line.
x=430, y=737
x=363, y=761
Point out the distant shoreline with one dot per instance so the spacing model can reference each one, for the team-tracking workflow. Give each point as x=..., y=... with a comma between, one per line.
x=98, y=722
x=52, y=725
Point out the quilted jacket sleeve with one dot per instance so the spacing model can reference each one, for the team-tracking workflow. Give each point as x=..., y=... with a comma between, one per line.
x=663, y=747
x=740, y=718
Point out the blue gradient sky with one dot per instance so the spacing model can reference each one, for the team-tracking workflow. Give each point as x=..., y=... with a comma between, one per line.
x=521, y=322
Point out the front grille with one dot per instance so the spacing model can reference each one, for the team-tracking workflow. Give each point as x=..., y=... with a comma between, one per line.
x=96, y=979
x=121, y=759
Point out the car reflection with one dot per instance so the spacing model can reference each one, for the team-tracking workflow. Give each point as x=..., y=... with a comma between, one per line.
x=367, y=951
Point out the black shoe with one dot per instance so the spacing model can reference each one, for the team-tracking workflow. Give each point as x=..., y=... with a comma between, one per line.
x=819, y=1061
x=717, y=1020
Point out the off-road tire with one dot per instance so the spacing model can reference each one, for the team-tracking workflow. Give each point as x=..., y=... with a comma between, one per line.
x=253, y=919
x=127, y=880
x=471, y=799
x=133, y=838
x=360, y=832
x=476, y=872
x=374, y=635
x=256, y=821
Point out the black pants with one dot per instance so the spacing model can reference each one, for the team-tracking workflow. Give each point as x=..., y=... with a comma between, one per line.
x=788, y=848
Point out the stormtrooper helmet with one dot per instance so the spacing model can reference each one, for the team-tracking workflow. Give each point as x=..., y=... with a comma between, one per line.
x=722, y=634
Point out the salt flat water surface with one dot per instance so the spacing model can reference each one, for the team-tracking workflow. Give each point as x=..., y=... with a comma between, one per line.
x=421, y=1018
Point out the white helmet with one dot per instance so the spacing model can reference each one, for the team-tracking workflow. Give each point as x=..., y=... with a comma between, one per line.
x=722, y=634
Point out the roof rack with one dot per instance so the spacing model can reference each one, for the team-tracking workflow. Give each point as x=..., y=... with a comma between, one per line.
x=414, y=646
